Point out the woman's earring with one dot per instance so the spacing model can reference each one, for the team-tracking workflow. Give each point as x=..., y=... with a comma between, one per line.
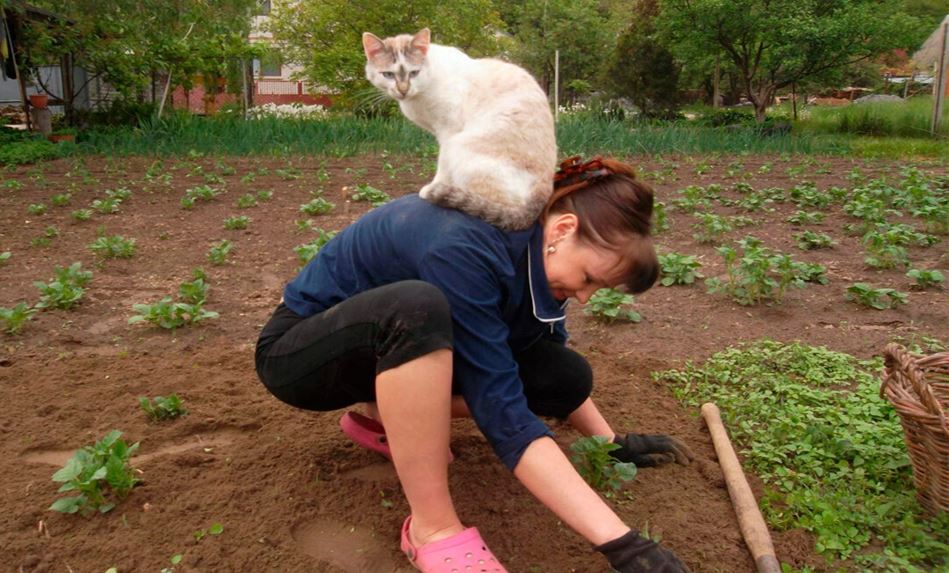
x=551, y=250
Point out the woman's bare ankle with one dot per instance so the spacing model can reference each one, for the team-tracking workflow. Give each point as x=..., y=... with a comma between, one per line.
x=420, y=535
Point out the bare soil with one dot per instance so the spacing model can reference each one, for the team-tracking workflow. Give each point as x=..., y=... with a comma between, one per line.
x=292, y=493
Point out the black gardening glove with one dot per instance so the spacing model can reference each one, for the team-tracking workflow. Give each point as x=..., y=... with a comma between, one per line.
x=647, y=450
x=633, y=553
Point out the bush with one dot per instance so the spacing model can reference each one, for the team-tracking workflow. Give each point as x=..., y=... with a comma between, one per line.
x=27, y=151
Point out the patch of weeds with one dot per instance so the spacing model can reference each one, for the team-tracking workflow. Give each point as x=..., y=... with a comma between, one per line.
x=809, y=241
x=162, y=407
x=307, y=251
x=925, y=278
x=65, y=290
x=246, y=201
x=317, y=206
x=219, y=251
x=236, y=223
x=14, y=319
x=810, y=423
x=591, y=456
x=607, y=305
x=100, y=474
x=679, y=269
x=877, y=298
x=36, y=209
x=113, y=247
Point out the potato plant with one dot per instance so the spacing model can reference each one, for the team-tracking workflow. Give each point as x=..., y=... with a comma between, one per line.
x=100, y=474
x=925, y=278
x=591, y=456
x=877, y=298
x=219, y=251
x=162, y=407
x=66, y=289
x=679, y=269
x=236, y=223
x=113, y=247
x=809, y=240
x=14, y=319
x=606, y=305
x=307, y=251
x=755, y=273
x=317, y=206
x=368, y=193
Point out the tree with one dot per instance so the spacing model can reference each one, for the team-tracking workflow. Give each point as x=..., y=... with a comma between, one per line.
x=776, y=43
x=125, y=42
x=641, y=69
x=325, y=36
x=582, y=30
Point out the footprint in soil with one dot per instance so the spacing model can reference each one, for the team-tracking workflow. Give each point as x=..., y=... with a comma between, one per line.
x=351, y=549
x=213, y=439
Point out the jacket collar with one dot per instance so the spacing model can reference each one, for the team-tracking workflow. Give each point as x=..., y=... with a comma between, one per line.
x=546, y=307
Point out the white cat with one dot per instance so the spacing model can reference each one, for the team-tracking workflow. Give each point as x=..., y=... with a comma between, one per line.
x=497, y=147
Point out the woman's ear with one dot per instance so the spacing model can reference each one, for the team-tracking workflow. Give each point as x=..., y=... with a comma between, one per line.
x=561, y=226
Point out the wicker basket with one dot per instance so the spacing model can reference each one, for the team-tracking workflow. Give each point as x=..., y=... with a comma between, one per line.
x=918, y=387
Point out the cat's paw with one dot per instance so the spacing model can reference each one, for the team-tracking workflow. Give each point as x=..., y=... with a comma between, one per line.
x=435, y=191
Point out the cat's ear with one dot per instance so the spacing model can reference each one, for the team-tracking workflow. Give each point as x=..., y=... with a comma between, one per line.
x=421, y=40
x=372, y=45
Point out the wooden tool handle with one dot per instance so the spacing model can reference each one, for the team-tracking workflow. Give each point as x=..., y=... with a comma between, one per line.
x=752, y=524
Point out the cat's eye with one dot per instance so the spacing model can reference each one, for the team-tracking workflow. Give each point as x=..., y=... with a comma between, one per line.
x=388, y=75
x=413, y=73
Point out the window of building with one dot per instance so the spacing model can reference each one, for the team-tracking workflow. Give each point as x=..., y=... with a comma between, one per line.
x=264, y=8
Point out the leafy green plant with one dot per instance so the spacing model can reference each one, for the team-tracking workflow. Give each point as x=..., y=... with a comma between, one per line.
x=607, y=304
x=81, y=215
x=120, y=194
x=366, y=192
x=806, y=195
x=66, y=289
x=925, y=278
x=288, y=173
x=203, y=193
x=108, y=206
x=307, y=251
x=61, y=199
x=317, y=206
x=591, y=456
x=805, y=218
x=246, y=201
x=113, y=247
x=236, y=223
x=884, y=250
x=660, y=218
x=711, y=227
x=878, y=298
x=36, y=209
x=100, y=474
x=693, y=198
x=679, y=269
x=755, y=273
x=265, y=195
x=4, y=257
x=219, y=251
x=196, y=290
x=171, y=315
x=162, y=408
x=14, y=319
x=809, y=240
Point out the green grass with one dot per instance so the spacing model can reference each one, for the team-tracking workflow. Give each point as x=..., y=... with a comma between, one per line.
x=908, y=119
x=810, y=422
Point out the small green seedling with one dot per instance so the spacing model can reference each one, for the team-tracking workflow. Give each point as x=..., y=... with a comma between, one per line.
x=805, y=218
x=366, y=192
x=318, y=206
x=236, y=223
x=195, y=291
x=265, y=195
x=120, y=194
x=113, y=247
x=660, y=218
x=809, y=240
x=4, y=257
x=15, y=318
x=307, y=251
x=81, y=215
x=108, y=206
x=607, y=305
x=50, y=232
x=593, y=461
x=878, y=298
x=36, y=209
x=925, y=278
x=219, y=251
x=65, y=290
x=61, y=199
x=202, y=193
x=100, y=474
x=246, y=201
x=171, y=315
x=679, y=269
x=162, y=408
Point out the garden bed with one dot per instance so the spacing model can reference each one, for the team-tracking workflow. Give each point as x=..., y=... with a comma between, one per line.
x=290, y=492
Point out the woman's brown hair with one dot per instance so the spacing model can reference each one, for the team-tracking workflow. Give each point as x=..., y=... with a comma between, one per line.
x=614, y=211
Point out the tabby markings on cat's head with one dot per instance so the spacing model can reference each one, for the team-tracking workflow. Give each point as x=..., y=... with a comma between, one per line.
x=397, y=65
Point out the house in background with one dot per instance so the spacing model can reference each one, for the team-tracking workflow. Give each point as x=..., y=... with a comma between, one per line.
x=272, y=80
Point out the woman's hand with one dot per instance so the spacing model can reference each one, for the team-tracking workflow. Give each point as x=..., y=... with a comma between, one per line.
x=633, y=553
x=647, y=450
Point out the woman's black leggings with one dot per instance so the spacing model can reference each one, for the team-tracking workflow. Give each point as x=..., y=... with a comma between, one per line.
x=330, y=360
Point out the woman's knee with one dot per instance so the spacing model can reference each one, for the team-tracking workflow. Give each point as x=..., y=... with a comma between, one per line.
x=557, y=380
